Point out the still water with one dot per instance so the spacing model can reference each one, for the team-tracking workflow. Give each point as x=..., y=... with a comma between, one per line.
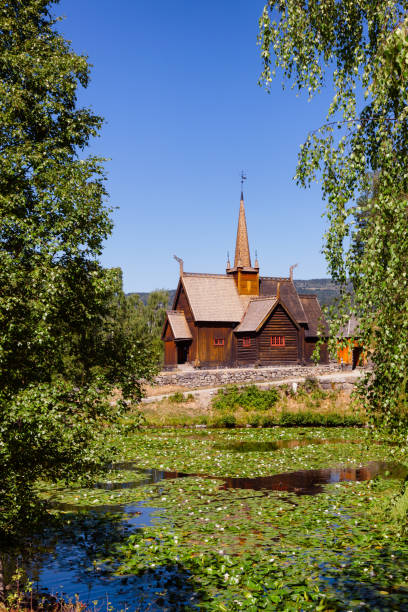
x=62, y=561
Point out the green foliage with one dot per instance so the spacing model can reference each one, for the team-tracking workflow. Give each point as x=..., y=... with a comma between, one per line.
x=268, y=420
x=180, y=398
x=54, y=431
x=315, y=419
x=399, y=510
x=360, y=51
x=249, y=398
x=145, y=320
x=63, y=348
x=310, y=385
x=227, y=420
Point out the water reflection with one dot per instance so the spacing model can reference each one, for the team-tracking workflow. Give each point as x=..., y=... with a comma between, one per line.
x=310, y=482
x=62, y=561
x=302, y=482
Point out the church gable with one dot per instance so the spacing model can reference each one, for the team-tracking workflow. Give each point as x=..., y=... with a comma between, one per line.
x=255, y=315
x=181, y=302
x=271, y=286
x=278, y=339
x=268, y=333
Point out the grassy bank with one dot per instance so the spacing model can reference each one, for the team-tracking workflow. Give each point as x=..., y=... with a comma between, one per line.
x=245, y=406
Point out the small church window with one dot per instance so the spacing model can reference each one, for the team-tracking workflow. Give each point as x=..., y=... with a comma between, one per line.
x=218, y=341
x=246, y=341
x=277, y=340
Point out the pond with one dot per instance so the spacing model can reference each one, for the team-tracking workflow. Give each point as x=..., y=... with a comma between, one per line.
x=229, y=520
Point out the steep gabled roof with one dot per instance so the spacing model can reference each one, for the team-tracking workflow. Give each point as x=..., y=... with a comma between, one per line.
x=256, y=313
x=179, y=325
x=213, y=297
x=268, y=286
x=314, y=315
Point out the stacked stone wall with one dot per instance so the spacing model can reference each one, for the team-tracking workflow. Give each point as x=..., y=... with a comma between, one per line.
x=214, y=378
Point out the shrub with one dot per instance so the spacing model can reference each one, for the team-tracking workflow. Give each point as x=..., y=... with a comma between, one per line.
x=248, y=398
x=226, y=420
x=254, y=419
x=312, y=419
x=180, y=398
x=268, y=420
x=311, y=384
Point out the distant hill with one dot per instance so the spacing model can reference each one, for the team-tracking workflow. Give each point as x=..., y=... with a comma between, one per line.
x=324, y=288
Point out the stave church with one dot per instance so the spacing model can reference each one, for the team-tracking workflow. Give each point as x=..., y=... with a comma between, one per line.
x=241, y=318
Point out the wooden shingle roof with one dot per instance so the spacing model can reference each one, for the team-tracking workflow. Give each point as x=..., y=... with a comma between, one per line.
x=242, y=254
x=179, y=325
x=256, y=313
x=314, y=315
x=268, y=286
x=213, y=297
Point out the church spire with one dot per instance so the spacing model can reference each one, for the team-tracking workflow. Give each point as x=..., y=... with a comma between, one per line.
x=242, y=254
x=245, y=276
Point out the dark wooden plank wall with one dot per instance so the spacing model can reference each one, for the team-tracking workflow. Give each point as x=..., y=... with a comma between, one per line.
x=247, y=354
x=167, y=333
x=301, y=344
x=170, y=353
x=310, y=344
x=208, y=353
x=279, y=324
x=170, y=350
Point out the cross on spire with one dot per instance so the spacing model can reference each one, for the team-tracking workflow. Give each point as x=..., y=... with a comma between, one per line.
x=243, y=178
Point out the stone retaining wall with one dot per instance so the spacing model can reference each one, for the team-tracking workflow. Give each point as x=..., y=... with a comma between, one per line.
x=215, y=378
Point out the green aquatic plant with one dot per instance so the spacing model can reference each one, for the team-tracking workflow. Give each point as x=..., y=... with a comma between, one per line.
x=246, y=549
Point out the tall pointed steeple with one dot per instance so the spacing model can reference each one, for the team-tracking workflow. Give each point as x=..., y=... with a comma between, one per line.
x=242, y=255
x=245, y=276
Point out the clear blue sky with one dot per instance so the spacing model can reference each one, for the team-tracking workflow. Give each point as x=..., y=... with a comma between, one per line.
x=177, y=85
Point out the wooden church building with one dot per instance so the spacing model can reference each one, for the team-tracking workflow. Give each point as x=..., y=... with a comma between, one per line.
x=241, y=318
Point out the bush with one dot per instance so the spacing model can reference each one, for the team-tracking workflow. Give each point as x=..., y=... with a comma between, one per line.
x=310, y=419
x=53, y=431
x=254, y=419
x=179, y=398
x=311, y=384
x=248, y=398
x=269, y=421
x=226, y=420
